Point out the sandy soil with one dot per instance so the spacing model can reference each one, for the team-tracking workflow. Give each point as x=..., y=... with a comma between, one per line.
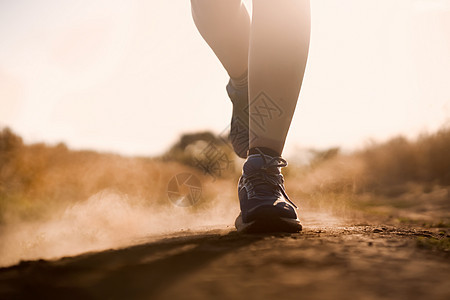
x=330, y=259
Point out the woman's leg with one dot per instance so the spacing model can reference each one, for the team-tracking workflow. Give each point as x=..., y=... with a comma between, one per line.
x=225, y=26
x=275, y=60
x=279, y=42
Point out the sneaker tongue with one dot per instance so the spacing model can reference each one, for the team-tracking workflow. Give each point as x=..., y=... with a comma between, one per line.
x=255, y=162
x=253, y=165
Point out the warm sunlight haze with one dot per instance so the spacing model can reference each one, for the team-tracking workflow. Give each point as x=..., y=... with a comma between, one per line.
x=129, y=77
x=133, y=167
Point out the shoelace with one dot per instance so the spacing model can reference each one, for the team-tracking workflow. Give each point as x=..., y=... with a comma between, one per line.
x=267, y=175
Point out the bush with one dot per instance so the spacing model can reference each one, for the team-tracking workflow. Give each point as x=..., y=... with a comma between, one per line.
x=208, y=153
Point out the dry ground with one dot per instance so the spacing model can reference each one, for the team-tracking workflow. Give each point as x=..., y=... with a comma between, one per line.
x=330, y=259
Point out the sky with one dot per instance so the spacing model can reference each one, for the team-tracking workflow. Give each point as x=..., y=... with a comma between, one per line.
x=131, y=76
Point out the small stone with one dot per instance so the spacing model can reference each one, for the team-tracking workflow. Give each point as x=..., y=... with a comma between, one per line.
x=377, y=230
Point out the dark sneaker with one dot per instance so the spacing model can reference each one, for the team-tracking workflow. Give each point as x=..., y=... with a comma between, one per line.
x=239, y=120
x=265, y=206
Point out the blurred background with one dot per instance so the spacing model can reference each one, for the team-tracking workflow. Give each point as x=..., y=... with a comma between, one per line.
x=130, y=76
x=103, y=103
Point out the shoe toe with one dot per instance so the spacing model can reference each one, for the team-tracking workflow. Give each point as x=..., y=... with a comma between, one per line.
x=271, y=211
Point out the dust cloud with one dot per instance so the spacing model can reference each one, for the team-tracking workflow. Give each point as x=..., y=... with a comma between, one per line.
x=106, y=220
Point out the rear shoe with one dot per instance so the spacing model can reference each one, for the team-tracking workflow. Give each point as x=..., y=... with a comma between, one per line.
x=265, y=206
x=239, y=120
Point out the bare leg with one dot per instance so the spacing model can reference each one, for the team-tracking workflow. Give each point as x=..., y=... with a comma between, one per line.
x=279, y=42
x=274, y=50
x=225, y=26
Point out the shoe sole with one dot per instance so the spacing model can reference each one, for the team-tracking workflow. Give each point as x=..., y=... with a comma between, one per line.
x=268, y=225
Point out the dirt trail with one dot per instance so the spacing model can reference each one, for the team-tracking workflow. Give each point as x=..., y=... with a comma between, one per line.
x=329, y=260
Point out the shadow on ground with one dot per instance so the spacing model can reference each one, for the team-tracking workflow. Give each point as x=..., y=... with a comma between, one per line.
x=147, y=269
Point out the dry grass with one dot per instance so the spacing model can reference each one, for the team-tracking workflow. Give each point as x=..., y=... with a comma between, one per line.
x=399, y=179
x=37, y=180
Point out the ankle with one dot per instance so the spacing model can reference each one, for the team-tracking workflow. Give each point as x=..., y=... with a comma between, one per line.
x=264, y=150
x=241, y=82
